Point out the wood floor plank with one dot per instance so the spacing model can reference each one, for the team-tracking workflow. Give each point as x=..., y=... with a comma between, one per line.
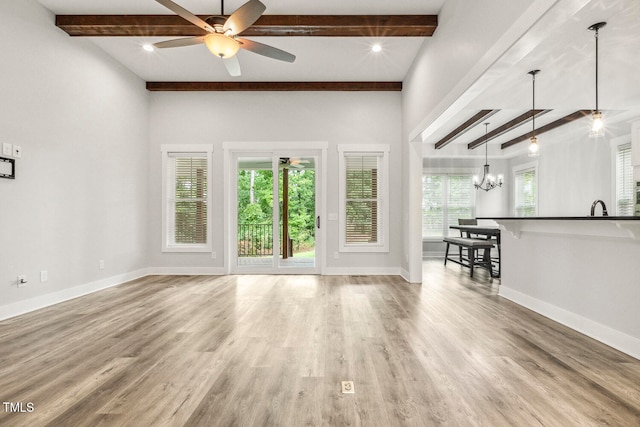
x=273, y=350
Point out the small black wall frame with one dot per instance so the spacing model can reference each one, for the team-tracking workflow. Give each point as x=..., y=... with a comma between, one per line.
x=7, y=168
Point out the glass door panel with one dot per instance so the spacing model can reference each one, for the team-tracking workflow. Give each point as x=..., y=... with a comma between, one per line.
x=255, y=225
x=297, y=212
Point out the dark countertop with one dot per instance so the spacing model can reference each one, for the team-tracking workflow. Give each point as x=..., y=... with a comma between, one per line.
x=567, y=218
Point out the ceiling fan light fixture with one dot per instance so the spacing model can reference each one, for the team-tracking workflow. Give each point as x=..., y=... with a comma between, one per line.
x=376, y=48
x=221, y=45
x=148, y=47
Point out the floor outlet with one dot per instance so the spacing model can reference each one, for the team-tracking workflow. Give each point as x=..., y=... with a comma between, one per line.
x=347, y=387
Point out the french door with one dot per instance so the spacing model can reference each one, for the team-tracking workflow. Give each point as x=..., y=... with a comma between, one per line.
x=275, y=217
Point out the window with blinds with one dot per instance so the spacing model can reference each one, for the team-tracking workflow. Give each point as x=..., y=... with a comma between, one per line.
x=186, y=198
x=624, y=181
x=363, y=197
x=189, y=204
x=362, y=201
x=445, y=199
x=526, y=192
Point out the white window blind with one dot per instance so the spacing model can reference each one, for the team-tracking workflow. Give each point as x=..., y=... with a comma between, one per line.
x=364, y=197
x=186, y=198
x=433, y=206
x=363, y=202
x=526, y=193
x=624, y=181
x=189, y=202
x=445, y=199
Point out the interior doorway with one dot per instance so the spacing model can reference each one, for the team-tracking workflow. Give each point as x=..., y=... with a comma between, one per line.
x=276, y=215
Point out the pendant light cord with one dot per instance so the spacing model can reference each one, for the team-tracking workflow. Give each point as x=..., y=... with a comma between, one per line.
x=533, y=104
x=596, y=35
x=486, y=155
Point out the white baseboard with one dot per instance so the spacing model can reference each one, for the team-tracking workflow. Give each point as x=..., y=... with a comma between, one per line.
x=42, y=301
x=613, y=338
x=432, y=254
x=362, y=271
x=187, y=271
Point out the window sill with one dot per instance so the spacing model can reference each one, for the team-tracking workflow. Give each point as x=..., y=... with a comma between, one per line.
x=186, y=248
x=364, y=248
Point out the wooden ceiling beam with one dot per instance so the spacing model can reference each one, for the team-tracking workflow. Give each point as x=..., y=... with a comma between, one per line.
x=546, y=128
x=523, y=118
x=274, y=86
x=473, y=121
x=267, y=25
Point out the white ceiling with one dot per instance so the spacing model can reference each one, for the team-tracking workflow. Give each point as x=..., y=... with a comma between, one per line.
x=318, y=58
x=559, y=45
x=563, y=48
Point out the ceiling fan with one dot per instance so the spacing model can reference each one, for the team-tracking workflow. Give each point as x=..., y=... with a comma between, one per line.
x=222, y=38
x=292, y=163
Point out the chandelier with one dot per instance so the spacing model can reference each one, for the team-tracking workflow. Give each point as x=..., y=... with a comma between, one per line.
x=488, y=182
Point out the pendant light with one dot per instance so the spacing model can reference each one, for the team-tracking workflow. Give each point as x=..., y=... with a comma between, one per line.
x=488, y=182
x=597, y=123
x=534, y=148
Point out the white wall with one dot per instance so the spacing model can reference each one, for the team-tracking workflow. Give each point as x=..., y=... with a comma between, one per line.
x=462, y=48
x=80, y=191
x=470, y=37
x=573, y=172
x=583, y=274
x=332, y=117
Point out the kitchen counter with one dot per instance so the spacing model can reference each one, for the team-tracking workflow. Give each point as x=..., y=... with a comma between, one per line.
x=623, y=227
x=583, y=272
x=567, y=218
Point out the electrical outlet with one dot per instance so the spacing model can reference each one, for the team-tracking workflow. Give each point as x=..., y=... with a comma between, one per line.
x=347, y=387
x=336, y=255
x=44, y=276
x=7, y=149
x=17, y=151
x=214, y=255
x=101, y=264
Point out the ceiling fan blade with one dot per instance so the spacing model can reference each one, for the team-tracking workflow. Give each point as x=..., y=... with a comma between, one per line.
x=232, y=65
x=187, y=41
x=244, y=17
x=184, y=13
x=266, y=50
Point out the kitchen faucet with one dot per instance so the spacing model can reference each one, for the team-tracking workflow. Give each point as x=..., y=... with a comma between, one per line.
x=604, y=208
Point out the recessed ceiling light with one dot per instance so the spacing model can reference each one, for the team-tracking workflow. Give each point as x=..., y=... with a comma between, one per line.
x=376, y=48
x=148, y=48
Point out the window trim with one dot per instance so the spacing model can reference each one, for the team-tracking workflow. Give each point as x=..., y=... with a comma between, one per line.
x=381, y=150
x=521, y=168
x=166, y=150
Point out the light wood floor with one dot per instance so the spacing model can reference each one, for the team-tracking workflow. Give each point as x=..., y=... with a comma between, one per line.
x=272, y=350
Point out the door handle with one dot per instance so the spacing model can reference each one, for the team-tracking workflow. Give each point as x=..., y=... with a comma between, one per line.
x=318, y=221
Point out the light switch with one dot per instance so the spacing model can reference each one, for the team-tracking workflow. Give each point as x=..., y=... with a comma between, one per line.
x=7, y=149
x=17, y=151
x=332, y=217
